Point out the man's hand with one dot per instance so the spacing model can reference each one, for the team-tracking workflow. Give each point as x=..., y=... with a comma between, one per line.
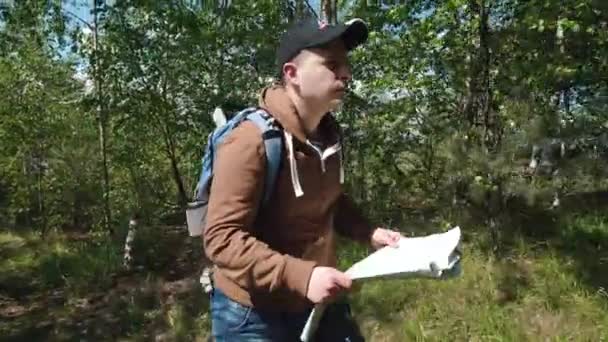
x=385, y=237
x=326, y=283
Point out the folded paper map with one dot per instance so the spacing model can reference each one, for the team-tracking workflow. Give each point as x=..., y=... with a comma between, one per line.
x=432, y=256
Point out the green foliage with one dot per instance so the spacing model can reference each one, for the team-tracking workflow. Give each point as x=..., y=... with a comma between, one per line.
x=160, y=69
x=45, y=172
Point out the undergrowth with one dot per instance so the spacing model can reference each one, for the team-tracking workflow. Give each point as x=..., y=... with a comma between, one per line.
x=536, y=290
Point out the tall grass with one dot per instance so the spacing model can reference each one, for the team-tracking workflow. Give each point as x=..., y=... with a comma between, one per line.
x=535, y=292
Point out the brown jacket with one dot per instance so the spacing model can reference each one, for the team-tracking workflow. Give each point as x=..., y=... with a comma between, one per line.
x=266, y=261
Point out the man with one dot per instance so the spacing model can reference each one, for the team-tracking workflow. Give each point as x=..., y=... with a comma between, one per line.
x=274, y=262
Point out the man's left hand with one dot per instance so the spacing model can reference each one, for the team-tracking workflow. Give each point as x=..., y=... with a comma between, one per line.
x=385, y=237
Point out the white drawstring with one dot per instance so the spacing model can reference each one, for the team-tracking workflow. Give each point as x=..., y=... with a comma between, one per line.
x=295, y=178
x=341, y=169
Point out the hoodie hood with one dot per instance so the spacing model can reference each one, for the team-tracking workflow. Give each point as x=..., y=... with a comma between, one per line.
x=275, y=101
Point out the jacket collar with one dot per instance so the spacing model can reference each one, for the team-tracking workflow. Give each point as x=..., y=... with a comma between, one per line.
x=275, y=101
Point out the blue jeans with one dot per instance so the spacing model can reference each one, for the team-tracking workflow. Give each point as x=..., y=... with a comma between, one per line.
x=232, y=321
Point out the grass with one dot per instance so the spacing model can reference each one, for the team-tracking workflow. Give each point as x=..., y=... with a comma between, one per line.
x=550, y=290
x=56, y=262
x=520, y=298
x=65, y=288
x=538, y=290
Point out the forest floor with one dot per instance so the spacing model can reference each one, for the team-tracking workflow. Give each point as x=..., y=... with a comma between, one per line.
x=71, y=287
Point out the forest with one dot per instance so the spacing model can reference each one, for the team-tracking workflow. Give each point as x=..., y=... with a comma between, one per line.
x=491, y=115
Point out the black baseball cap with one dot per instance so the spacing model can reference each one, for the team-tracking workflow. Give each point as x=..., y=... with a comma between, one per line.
x=312, y=33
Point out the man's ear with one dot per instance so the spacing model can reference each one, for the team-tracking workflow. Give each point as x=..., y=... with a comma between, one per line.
x=290, y=71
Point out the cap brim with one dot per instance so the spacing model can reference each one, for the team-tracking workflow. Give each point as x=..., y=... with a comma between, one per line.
x=355, y=34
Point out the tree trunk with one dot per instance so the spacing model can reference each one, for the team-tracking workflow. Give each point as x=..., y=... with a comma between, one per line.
x=335, y=11
x=102, y=121
x=27, y=218
x=489, y=119
x=170, y=148
x=41, y=209
x=567, y=101
x=106, y=174
x=477, y=107
x=169, y=145
x=328, y=11
x=181, y=189
x=300, y=9
x=128, y=251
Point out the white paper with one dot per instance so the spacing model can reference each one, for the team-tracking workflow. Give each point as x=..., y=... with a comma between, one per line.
x=428, y=256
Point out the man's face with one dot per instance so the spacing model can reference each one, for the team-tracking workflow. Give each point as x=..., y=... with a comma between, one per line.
x=320, y=75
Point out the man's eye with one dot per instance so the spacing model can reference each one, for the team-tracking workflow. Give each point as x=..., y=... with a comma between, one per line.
x=332, y=65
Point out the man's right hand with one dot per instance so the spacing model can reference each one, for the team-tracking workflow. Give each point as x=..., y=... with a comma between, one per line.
x=326, y=283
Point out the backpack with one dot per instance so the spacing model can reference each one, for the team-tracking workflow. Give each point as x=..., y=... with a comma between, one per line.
x=196, y=211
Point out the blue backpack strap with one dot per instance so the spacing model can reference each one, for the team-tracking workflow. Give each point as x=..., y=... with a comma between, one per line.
x=273, y=143
x=215, y=139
